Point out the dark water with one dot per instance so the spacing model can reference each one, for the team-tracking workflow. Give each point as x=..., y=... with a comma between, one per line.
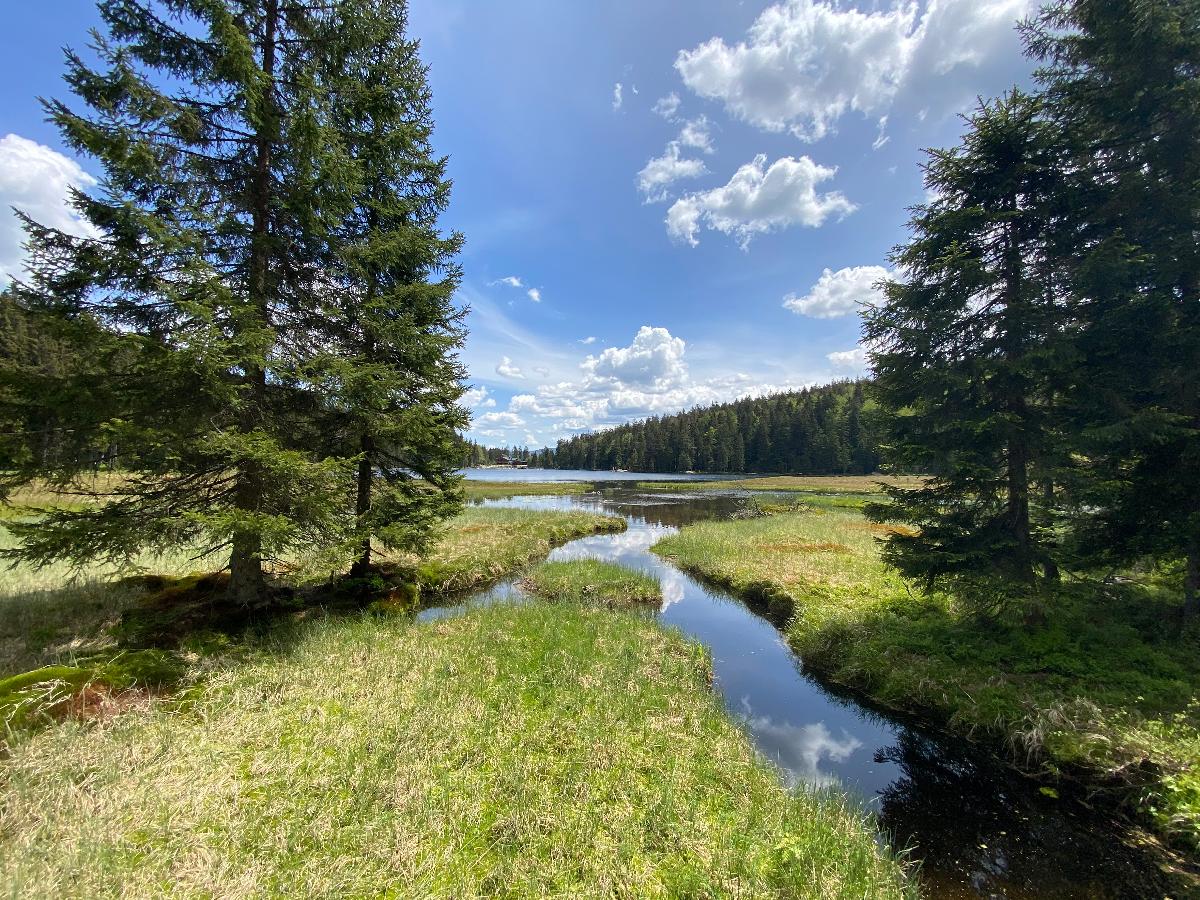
x=977, y=829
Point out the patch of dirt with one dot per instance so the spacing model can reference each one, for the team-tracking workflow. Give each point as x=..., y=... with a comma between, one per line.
x=98, y=703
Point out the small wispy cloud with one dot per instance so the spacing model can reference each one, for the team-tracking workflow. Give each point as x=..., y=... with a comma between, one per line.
x=510, y=280
x=617, y=98
x=535, y=295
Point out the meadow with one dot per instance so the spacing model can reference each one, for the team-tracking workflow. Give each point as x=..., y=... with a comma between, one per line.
x=567, y=746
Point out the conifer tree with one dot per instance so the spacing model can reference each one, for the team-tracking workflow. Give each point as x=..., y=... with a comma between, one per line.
x=392, y=380
x=965, y=354
x=1122, y=83
x=223, y=181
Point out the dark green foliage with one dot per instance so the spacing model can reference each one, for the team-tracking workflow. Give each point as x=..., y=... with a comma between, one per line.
x=967, y=352
x=829, y=430
x=392, y=381
x=1122, y=84
x=258, y=309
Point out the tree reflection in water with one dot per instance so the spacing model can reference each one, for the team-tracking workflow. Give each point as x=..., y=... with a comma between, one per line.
x=999, y=842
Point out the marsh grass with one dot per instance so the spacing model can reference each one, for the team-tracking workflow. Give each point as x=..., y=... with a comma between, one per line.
x=486, y=543
x=1103, y=693
x=497, y=490
x=531, y=750
x=594, y=582
x=814, y=484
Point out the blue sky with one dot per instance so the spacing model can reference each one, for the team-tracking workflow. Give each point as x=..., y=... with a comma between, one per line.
x=644, y=248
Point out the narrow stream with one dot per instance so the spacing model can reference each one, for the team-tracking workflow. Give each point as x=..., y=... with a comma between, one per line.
x=977, y=829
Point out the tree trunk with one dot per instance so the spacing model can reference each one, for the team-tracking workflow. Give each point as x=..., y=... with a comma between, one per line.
x=1049, y=566
x=246, y=583
x=1017, y=476
x=366, y=472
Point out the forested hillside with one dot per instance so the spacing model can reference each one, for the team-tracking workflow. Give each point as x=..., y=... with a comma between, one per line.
x=818, y=431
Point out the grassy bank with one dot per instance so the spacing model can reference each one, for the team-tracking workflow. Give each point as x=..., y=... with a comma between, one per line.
x=56, y=615
x=486, y=543
x=1104, y=693
x=497, y=490
x=814, y=484
x=594, y=582
x=533, y=750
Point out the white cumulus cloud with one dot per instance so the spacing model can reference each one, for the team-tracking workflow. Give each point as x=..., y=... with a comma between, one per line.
x=855, y=359
x=804, y=63
x=535, y=295
x=654, y=361
x=661, y=172
x=506, y=368
x=36, y=180
x=759, y=199
x=838, y=293
x=477, y=398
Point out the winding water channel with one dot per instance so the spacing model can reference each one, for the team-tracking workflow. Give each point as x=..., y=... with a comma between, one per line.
x=978, y=829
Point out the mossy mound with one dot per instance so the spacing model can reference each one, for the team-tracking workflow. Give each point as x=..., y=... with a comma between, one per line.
x=177, y=609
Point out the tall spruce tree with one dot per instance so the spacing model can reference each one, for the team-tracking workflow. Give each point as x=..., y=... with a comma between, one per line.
x=223, y=182
x=1122, y=82
x=965, y=350
x=392, y=379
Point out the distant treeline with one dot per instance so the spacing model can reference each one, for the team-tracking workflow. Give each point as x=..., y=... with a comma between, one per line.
x=830, y=430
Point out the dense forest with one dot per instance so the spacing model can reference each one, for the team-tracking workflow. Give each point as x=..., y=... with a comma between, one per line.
x=818, y=431
x=830, y=430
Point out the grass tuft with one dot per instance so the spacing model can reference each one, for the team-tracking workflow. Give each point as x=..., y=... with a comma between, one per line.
x=592, y=581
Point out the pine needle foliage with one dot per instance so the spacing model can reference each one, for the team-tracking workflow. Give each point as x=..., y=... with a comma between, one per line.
x=225, y=232
x=967, y=353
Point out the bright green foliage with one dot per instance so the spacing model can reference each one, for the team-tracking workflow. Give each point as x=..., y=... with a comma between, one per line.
x=594, y=581
x=232, y=220
x=966, y=355
x=1122, y=84
x=527, y=750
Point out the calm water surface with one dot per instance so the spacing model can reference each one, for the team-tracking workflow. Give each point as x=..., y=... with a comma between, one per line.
x=977, y=829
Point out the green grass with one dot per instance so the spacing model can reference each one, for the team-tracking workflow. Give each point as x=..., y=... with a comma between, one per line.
x=814, y=484
x=496, y=490
x=1103, y=693
x=486, y=543
x=592, y=581
x=531, y=750
x=56, y=615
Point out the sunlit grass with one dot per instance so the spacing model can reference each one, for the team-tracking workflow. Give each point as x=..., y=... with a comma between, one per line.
x=593, y=581
x=531, y=751
x=1105, y=689
x=486, y=543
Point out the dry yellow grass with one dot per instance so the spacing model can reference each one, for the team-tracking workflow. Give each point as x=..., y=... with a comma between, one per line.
x=810, y=484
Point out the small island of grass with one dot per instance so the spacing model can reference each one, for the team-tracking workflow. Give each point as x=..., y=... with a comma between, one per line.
x=594, y=582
